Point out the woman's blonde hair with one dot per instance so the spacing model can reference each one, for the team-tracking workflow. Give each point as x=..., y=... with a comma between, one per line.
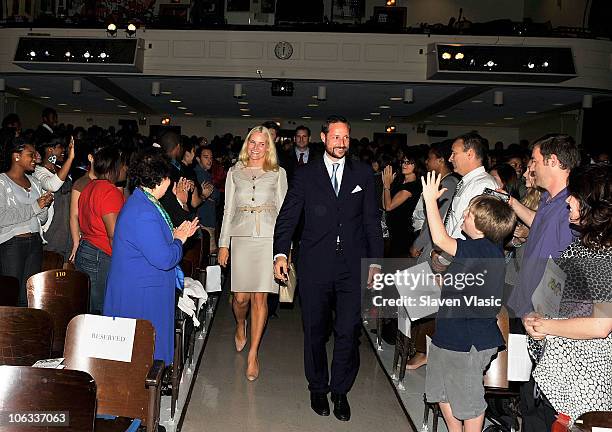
x=271, y=160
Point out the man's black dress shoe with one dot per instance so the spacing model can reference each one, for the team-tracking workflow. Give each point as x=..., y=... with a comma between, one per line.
x=342, y=409
x=319, y=403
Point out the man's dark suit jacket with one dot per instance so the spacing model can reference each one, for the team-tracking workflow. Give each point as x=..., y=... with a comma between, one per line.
x=290, y=161
x=353, y=216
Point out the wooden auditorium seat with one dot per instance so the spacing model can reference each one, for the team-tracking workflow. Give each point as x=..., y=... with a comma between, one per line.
x=25, y=336
x=28, y=389
x=125, y=390
x=62, y=293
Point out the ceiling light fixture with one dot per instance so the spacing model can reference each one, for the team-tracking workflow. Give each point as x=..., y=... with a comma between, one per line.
x=175, y=101
x=76, y=86
x=109, y=99
x=306, y=117
x=446, y=56
x=133, y=112
x=395, y=98
x=45, y=97
x=531, y=112
x=25, y=88
x=498, y=98
x=166, y=93
x=477, y=101
x=121, y=106
x=62, y=104
x=322, y=93
x=508, y=118
x=244, y=109
x=111, y=29
x=130, y=31
x=459, y=56
x=188, y=113
x=408, y=96
x=243, y=103
x=367, y=119
x=384, y=107
x=313, y=105
x=441, y=116
x=587, y=101
x=182, y=108
x=375, y=113
x=165, y=120
x=155, y=88
x=246, y=115
x=76, y=110
x=238, y=91
x=2, y=85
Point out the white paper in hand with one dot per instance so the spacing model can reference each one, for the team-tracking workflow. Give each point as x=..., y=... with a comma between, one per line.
x=519, y=362
x=213, y=279
x=547, y=296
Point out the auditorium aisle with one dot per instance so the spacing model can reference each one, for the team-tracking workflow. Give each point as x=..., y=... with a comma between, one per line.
x=223, y=399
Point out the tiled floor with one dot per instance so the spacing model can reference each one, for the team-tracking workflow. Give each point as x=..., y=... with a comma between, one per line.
x=223, y=400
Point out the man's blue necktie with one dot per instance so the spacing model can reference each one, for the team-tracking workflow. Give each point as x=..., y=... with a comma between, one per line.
x=334, y=179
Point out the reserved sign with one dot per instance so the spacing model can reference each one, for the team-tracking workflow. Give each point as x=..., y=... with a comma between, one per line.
x=109, y=338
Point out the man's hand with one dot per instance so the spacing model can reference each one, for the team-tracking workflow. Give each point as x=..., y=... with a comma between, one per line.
x=436, y=265
x=223, y=256
x=71, y=150
x=414, y=252
x=374, y=270
x=207, y=190
x=181, y=190
x=281, y=268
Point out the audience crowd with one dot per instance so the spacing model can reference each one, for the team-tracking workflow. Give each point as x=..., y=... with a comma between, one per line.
x=105, y=198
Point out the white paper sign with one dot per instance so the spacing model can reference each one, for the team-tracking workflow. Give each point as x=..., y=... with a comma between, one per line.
x=109, y=338
x=418, y=291
x=213, y=279
x=403, y=321
x=519, y=362
x=547, y=296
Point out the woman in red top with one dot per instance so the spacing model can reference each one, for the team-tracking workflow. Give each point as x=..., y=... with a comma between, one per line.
x=99, y=204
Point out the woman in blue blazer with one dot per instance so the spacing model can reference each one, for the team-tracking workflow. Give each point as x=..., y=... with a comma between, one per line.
x=147, y=250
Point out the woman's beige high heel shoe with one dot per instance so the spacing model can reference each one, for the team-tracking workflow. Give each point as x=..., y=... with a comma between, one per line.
x=240, y=345
x=252, y=373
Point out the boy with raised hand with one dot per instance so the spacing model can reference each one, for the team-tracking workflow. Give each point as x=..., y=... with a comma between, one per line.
x=467, y=335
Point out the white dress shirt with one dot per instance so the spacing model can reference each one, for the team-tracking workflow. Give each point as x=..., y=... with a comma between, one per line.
x=305, y=153
x=330, y=169
x=472, y=184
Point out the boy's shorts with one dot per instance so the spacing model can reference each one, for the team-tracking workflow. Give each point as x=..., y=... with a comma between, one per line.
x=456, y=377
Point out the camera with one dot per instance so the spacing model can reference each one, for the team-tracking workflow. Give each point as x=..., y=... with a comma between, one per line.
x=499, y=195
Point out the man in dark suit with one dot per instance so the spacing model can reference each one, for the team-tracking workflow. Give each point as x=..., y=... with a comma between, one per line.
x=341, y=226
x=46, y=130
x=300, y=154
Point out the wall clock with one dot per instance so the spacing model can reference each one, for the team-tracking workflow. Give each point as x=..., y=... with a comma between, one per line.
x=283, y=50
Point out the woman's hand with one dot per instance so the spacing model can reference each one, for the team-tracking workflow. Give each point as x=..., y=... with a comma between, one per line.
x=521, y=232
x=388, y=177
x=223, y=256
x=71, y=148
x=73, y=252
x=45, y=200
x=431, y=187
x=186, y=230
x=532, y=324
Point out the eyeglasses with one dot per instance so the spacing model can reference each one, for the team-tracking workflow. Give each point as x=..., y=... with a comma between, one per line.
x=407, y=162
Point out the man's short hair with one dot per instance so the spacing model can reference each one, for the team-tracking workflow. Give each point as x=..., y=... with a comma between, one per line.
x=168, y=141
x=10, y=119
x=561, y=145
x=334, y=119
x=475, y=142
x=272, y=125
x=494, y=217
x=48, y=112
x=302, y=127
x=201, y=149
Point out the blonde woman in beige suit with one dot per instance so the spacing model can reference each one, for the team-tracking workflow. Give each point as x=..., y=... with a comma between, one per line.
x=254, y=192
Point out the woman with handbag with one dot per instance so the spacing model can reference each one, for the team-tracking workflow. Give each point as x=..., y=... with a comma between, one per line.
x=254, y=192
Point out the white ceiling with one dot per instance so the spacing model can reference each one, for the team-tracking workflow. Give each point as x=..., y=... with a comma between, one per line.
x=213, y=98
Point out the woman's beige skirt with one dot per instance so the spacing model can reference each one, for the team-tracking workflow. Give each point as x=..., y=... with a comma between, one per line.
x=252, y=266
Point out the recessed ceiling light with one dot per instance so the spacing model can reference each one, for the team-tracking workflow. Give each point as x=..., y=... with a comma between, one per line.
x=367, y=119
x=188, y=113
x=175, y=101
x=244, y=109
x=428, y=121
x=313, y=105
x=489, y=123
x=133, y=112
x=109, y=99
x=246, y=115
x=558, y=104
x=508, y=118
x=121, y=106
x=374, y=113
x=441, y=116
x=306, y=117
x=384, y=107
x=477, y=101
x=25, y=88
x=182, y=108
x=396, y=98
x=166, y=93
x=243, y=103
x=76, y=110
x=45, y=97
x=531, y=112
x=315, y=97
x=62, y=104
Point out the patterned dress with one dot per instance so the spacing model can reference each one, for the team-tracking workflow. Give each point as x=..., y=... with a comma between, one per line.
x=576, y=375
